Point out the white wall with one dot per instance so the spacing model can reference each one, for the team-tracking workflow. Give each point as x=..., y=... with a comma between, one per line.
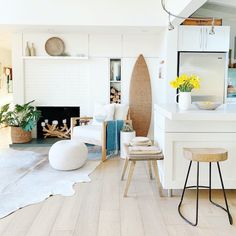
x=92, y=12
x=75, y=82
x=80, y=12
x=5, y=57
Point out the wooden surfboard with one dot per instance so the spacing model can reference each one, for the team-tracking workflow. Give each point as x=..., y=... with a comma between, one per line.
x=140, y=97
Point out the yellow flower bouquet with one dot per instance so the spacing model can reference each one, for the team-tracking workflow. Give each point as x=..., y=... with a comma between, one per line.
x=186, y=83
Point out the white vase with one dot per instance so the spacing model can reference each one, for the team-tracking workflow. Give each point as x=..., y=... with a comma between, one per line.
x=32, y=51
x=27, y=50
x=125, y=138
x=184, y=101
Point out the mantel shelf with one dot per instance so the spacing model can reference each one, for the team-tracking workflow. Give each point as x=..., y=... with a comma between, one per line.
x=54, y=58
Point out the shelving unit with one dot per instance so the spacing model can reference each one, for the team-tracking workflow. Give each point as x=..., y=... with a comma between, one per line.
x=115, y=80
x=54, y=58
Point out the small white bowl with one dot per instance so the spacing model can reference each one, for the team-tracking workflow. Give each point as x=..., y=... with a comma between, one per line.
x=207, y=105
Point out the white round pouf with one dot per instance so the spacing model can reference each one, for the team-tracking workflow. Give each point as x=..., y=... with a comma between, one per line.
x=68, y=155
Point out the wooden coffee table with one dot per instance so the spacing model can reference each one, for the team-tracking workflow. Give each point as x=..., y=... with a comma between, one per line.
x=152, y=162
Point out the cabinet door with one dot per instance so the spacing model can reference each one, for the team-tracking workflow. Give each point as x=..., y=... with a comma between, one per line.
x=176, y=165
x=191, y=38
x=99, y=83
x=218, y=42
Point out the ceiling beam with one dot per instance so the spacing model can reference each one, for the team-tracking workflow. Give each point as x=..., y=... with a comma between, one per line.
x=189, y=9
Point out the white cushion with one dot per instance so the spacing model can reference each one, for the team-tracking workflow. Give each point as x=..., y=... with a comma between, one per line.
x=88, y=134
x=68, y=155
x=103, y=113
x=121, y=111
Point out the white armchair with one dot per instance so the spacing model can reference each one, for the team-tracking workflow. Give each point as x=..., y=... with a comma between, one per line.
x=94, y=129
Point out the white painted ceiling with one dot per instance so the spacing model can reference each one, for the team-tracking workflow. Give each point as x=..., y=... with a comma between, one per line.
x=229, y=3
x=219, y=9
x=99, y=16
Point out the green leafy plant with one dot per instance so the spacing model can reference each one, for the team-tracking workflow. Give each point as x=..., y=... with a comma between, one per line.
x=24, y=116
x=3, y=111
x=127, y=127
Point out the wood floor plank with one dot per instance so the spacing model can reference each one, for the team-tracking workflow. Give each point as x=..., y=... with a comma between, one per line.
x=110, y=199
x=44, y=221
x=61, y=233
x=109, y=217
x=109, y=223
x=5, y=222
x=69, y=212
x=131, y=219
x=22, y=220
x=148, y=202
x=87, y=222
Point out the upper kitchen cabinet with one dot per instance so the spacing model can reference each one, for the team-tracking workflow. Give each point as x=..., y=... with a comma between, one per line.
x=190, y=38
x=197, y=38
x=218, y=41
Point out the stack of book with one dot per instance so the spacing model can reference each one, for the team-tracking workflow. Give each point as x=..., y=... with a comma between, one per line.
x=143, y=146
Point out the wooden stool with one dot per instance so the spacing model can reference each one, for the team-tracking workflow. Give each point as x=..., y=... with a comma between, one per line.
x=205, y=155
x=152, y=161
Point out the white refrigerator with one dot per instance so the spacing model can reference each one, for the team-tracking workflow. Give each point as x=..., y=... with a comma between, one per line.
x=212, y=70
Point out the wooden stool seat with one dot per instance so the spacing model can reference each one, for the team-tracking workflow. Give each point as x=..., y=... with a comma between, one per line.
x=206, y=154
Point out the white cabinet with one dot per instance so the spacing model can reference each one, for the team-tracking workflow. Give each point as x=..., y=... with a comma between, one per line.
x=197, y=38
x=190, y=38
x=175, y=130
x=219, y=41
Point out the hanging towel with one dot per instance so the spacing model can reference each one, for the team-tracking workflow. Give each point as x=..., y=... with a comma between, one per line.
x=113, y=137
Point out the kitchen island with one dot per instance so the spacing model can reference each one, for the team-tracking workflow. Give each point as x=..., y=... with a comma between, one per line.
x=175, y=130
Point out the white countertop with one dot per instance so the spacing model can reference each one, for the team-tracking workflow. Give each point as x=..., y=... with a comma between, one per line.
x=226, y=112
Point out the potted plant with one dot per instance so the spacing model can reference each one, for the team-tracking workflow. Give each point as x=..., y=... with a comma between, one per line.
x=22, y=119
x=185, y=84
x=3, y=111
x=126, y=135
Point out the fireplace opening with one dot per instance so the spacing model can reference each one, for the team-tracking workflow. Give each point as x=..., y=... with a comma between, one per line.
x=55, y=121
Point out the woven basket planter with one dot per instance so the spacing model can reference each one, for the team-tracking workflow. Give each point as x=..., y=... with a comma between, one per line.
x=18, y=135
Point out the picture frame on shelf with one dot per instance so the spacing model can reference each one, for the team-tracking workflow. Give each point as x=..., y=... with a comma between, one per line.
x=8, y=74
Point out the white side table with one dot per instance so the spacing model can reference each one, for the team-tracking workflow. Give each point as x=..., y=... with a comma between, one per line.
x=125, y=138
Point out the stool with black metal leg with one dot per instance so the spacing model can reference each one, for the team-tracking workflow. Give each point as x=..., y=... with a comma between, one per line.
x=208, y=155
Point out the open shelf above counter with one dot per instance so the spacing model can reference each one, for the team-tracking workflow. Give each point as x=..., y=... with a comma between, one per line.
x=54, y=58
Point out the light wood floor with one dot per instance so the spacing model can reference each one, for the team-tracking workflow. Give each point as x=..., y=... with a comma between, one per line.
x=98, y=208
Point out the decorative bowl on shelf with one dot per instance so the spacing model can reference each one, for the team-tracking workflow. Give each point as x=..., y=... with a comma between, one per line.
x=55, y=47
x=207, y=105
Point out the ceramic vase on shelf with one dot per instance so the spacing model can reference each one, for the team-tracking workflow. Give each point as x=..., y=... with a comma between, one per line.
x=27, y=50
x=184, y=101
x=32, y=51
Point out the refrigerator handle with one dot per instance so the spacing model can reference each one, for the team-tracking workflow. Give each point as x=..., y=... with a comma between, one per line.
x=206, y=40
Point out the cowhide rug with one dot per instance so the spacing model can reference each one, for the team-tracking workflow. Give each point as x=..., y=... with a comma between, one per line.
x=27, y=178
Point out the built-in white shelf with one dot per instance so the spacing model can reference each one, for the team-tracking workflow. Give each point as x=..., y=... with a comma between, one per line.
x=54, y=58
x=115, y=83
